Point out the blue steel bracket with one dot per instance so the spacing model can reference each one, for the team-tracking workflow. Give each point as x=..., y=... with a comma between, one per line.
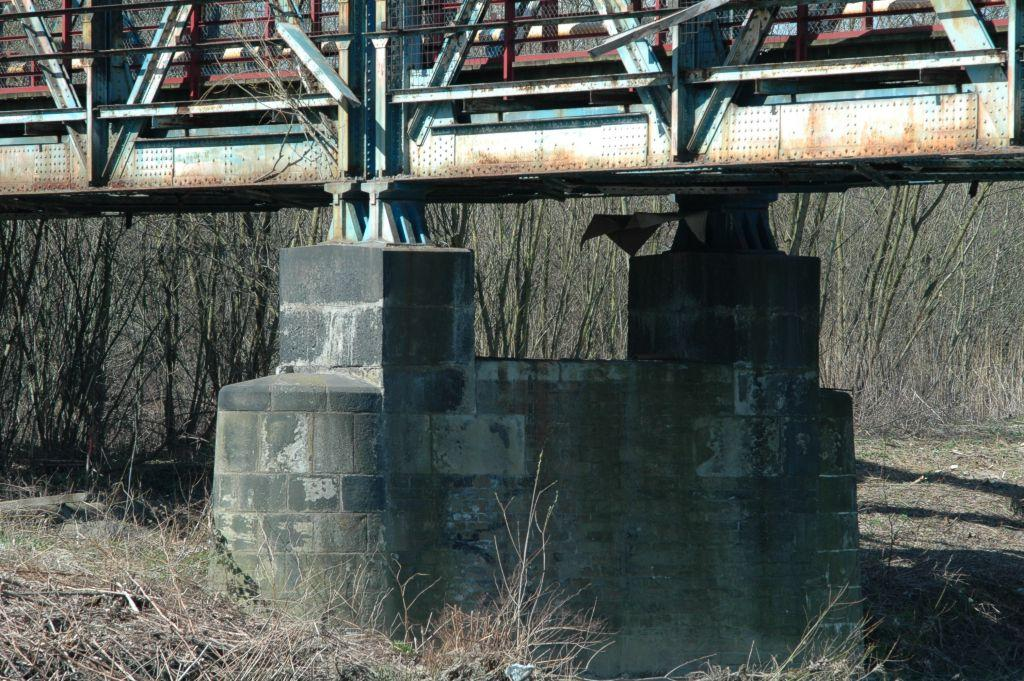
x=385, y=211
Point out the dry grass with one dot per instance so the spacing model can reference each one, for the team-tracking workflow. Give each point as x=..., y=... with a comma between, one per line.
x=124, y=595
x=942, y=550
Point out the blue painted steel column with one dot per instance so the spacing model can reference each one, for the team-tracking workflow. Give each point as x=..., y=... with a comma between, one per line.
x=1015, y=69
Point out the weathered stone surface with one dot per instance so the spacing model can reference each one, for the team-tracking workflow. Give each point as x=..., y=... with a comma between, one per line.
x=248, y=396
x=428, y=390
x=332, y=443
x=314, y=493
x=285, y=442
x=337, y=336
x=415, y=276
x=483, y=444
x=262, y=492
x=329, y=274
x=366, y=443
x=362, y=493
x=428, y=335
x=238, y=441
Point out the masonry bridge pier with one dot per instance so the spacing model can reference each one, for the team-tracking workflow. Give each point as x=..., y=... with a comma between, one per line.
x=705, y=481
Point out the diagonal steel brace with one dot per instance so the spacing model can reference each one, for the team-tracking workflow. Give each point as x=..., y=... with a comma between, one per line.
x=748, y=43
x=637, y=57
x=147, y=83
x=58, y=80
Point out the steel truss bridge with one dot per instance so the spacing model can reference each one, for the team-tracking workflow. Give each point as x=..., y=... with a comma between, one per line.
x=376, y=106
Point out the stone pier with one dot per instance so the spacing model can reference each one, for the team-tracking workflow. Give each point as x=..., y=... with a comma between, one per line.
x=705, y=483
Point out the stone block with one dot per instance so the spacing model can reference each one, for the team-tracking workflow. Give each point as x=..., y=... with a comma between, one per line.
x=837, y=531
x=247, y=396
x=366, y=443
x=286, y=532
x=238, y=441
x=837, y=493
x=329, y=274
x=724, y=307
x=478, y=445
x=262, y=492
x=286, y=443
x=428, y=390
x=362, y=493
x=738, y=448
x=313, y=493
x=225, y=491
x=298, y=392
x=417, y=275
x=239, y=531
x=840, y=568
x=801, y=446
x=428, y=335
x=347, y=394
x=406, y=439
x=339, y=336
x=332, y=443
x=340, y=532
x=763, y=391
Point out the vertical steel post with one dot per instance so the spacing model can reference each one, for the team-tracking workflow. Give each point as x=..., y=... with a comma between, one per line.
x=195, y=69
x=314, y=16
x=508, y=54
x=380, y=106
x=801, y=33
x=106, y=82
x=1015, y=70
x=869, y=21
x=65, y=33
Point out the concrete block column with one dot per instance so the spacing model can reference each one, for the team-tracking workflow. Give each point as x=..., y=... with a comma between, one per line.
x=399, y=316
x=302, y=469
x=758, y=308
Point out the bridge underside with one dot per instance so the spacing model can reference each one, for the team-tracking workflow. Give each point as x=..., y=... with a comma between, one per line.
x=177, y=107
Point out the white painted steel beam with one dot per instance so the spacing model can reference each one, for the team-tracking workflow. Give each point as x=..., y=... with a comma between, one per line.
x=447, y=64
x=525, y=88
x=966, y=31
x=637, y=57
x=41, y=116
x=668, y=21
x=222, y=106
x=843, y=67
x=313, y=59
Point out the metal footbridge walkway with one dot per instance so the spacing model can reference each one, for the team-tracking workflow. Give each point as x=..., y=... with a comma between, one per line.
x=377, y=106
